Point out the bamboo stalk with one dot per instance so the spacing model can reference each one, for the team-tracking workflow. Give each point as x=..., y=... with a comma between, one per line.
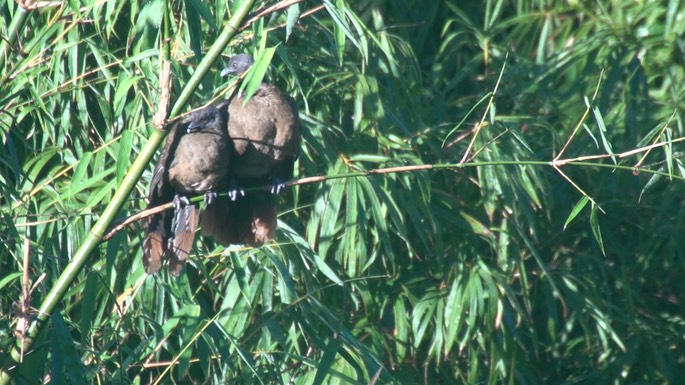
x=12, y=361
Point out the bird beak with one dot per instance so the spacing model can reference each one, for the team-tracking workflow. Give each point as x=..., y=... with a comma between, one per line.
x=227, y=71
x=192, y=127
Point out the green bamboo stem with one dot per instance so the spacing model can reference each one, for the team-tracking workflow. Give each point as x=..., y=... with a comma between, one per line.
x=13, y=360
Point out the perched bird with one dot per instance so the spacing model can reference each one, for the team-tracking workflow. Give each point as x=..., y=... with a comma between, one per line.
x=265, y=130
x=195, y=160
x=266, y=136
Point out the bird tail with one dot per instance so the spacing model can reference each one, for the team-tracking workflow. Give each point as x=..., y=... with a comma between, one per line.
x=249, y=220
x=261, y=219
x=155, y=242
x=185, y=223
x=216, y=221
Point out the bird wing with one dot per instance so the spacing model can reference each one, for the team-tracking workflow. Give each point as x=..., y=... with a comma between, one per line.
x=160, y=190
x=155, y=242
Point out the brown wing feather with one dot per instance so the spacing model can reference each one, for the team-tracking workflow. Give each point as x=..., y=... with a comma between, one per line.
x=185, y=223
x=155, y=242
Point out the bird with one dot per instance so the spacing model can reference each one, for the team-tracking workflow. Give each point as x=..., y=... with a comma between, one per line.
x=195, y=160
x=265, y=131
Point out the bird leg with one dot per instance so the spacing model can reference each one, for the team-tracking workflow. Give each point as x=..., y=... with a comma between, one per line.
x=180, y=201
x=234, y=190
x=276, y=188
x=210, y=196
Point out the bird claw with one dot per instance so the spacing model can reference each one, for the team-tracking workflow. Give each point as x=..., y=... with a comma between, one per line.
x=210, y=196
x=180, y=201
x=234, y=192
x=277, y=187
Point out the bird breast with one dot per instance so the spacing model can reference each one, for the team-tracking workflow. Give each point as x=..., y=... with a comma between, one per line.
x=200, y=163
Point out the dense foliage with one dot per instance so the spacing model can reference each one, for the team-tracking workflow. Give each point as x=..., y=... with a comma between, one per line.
x=545, y=246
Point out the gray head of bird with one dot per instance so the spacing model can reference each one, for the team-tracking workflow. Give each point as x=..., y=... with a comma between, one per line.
x=238, y=65
x=206, y=119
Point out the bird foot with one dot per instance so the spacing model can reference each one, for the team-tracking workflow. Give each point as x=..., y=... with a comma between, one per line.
x=234, y=192
x=210, y=196
x=180, y=201
x=277, y=187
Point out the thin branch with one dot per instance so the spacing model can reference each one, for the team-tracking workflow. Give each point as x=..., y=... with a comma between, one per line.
x=313, y=179
x=656, y=139
x=577, y=187
x=480, y=125
x=23, y=322
x=556, y=164
x=625, y=154
x=582, y=119
x=159, y=119
x=274, y=8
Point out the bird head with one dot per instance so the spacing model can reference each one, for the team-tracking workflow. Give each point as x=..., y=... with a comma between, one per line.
x=206, y=119
x=238, y=65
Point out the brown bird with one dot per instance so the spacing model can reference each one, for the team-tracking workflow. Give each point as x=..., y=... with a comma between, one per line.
x=195, y=160
x=265, y=131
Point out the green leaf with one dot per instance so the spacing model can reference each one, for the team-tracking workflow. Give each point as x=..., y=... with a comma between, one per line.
x=576, y=210
x=324, y=367
x=66, y=361
x=293, y=18
x=596, y=230
x=257, y=73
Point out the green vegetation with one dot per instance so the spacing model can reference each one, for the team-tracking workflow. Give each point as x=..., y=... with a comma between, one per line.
x=545, y=247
